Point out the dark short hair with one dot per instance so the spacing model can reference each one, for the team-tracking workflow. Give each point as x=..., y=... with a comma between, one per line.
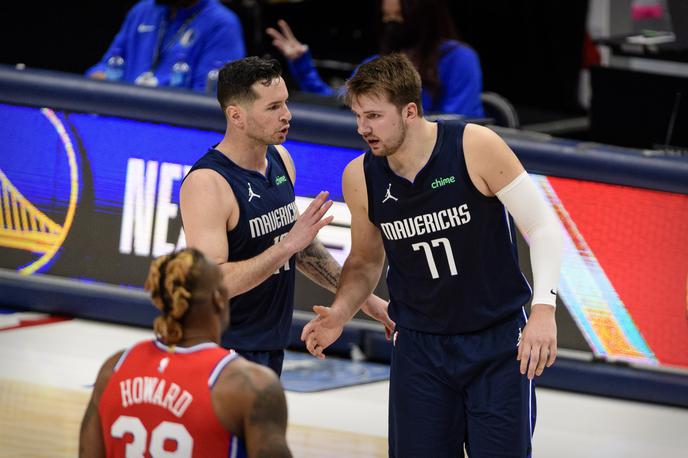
x=236, y=78
x=392, y=75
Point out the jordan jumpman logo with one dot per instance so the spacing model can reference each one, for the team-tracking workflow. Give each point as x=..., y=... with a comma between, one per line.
x=389, y=194
x=251, y=194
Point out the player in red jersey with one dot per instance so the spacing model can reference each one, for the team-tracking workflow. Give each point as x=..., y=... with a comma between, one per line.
x=182, y=395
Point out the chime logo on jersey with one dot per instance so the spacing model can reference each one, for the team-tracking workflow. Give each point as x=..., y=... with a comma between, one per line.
x=280, y=179
x=439, y=182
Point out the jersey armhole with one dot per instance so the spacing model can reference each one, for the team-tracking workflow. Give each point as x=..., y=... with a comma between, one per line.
x=239, y=202
x=208, y=167
x=464, y=168
x=121, y=359
x=367, y=159
x=282, y=163
x=217, y=370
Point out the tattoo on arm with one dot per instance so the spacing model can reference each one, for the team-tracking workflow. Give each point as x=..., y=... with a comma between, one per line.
x=269, y=413
x=269, y=407
x=265, y=424
x=317, y=263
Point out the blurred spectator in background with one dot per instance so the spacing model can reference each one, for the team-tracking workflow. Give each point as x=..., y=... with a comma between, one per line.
x=424, y=31
x=172, y=43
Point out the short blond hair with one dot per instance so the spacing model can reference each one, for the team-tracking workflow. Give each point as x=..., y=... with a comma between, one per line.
x=393, y=76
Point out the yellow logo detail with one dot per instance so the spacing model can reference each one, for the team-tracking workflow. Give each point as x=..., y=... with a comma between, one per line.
x=25, y=227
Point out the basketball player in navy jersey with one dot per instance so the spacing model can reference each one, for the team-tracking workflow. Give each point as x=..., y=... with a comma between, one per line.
x=238, y=207
x=438, y=200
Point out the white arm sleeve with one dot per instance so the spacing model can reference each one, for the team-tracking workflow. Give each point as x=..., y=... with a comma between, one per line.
x=539, y=223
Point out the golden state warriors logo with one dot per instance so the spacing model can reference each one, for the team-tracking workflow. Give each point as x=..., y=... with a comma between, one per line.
x=23, y=226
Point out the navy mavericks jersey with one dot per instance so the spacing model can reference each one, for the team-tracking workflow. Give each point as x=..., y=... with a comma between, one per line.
x=453, y=265
x=260, y=319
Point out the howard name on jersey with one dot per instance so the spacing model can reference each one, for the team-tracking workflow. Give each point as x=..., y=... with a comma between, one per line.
x=155, y=391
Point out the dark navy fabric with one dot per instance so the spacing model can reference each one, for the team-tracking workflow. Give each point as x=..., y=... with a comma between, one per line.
x=272, y=359
x=260, y=319
x=453, y=264
x=447, y=391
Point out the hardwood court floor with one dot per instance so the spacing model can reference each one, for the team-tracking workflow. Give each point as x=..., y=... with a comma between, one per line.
x=39, y=420
x=42, y=421
x=45, y=372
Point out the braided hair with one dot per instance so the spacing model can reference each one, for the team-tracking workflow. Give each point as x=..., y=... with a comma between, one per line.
x=171, y=279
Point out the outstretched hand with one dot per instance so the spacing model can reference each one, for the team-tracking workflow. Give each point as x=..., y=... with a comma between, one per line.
x=323, y=330
x=376, y=308
x=538, y=346
x=309, y=223
x=284, y=40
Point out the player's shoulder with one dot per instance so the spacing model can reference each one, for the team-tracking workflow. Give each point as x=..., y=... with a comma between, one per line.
x=353, y=181
x=242, y=384
x=287, y=160
x=105, y=373
x=284, y=154
x=135, y=352
x=113, y=361
x=355, y=167
x=205, y=182
x=479, y=137
x=243, y=375
x=246, y=389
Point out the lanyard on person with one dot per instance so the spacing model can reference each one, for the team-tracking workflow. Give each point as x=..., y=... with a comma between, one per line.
x=148, y=78
x=161, y=47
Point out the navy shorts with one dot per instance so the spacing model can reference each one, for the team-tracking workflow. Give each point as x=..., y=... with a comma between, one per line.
x=272, y=359
x=447, y=392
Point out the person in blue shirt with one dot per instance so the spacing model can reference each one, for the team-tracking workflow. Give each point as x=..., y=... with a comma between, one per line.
x=157, y=34
x=424, y=31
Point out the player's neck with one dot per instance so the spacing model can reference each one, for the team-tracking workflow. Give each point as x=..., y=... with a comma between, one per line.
x=415, y=152
x=247, y=154
x=191, y=340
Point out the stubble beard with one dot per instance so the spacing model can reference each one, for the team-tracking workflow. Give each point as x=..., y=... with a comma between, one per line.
x=256, y=133
x=390, y=150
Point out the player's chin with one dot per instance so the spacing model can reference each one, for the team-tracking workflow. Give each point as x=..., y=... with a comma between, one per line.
x=279, y=138
x=380, y=152
x=376, y=148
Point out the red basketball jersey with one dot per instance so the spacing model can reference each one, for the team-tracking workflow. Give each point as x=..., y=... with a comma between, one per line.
x=157, y=403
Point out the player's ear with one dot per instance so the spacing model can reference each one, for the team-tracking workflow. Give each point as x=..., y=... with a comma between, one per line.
x=218, y=303
x=235, y=115
x=410, y=111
